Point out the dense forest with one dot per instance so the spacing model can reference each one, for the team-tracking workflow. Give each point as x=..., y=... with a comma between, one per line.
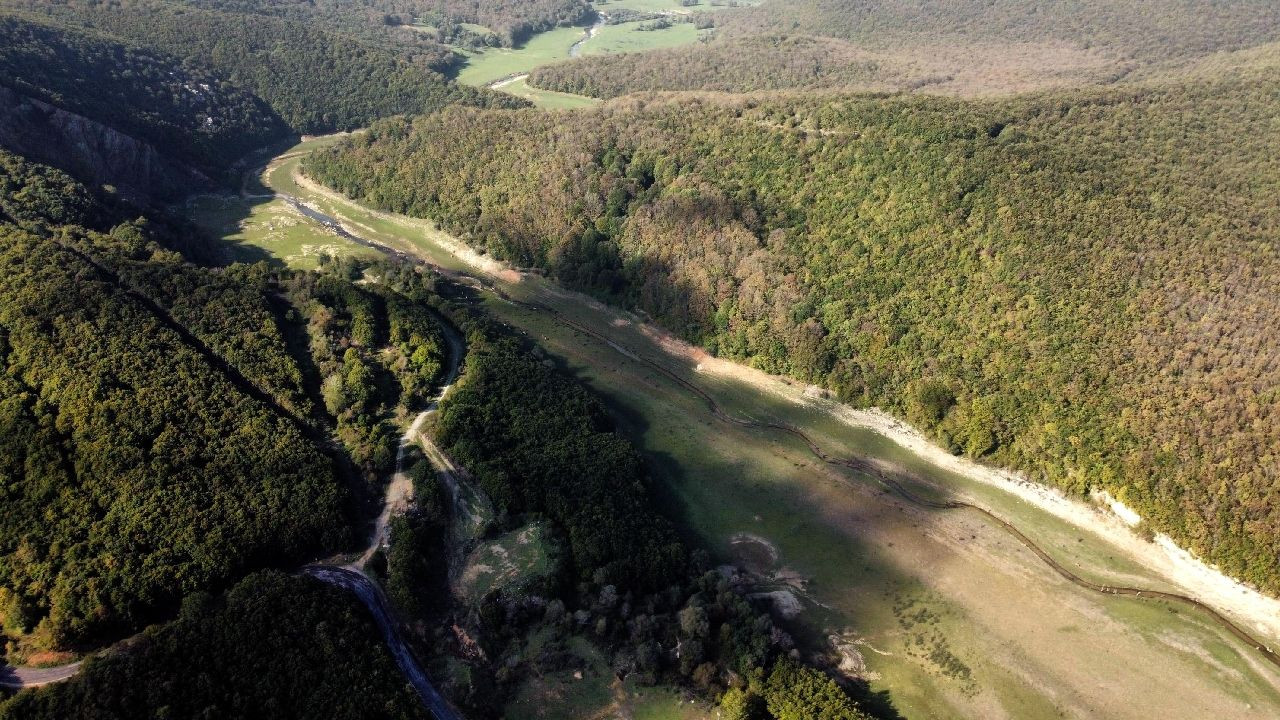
x=762, y=62
x=315, y=78
x=384, y=23
x=273, y=646
x=1078, y=285
x=1149, y=29
x=513, y=23
x=560, y=458
x=541, y=448
x=139, y=465
x=503, y=23
x=193, y=115
x=966, y=47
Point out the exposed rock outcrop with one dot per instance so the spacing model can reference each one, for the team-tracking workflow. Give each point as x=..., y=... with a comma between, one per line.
x=94, y=153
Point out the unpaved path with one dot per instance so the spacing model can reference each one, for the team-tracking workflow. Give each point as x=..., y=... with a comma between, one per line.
x=16, y=678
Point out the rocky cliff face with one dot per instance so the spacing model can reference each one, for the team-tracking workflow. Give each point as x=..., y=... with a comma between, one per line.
x=94, y=153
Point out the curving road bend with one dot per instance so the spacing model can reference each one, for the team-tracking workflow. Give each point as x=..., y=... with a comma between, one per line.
x=353, y=578
x=16, y=678
x=371, y=595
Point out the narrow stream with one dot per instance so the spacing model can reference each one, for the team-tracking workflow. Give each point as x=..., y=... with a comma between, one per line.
x=576, y=48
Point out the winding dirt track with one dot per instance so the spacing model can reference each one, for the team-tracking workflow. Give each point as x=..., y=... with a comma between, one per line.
x=858, y=464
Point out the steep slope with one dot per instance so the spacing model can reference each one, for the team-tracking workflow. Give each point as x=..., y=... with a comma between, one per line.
x=965, y=47
x=140, y=464
x=1077, y=285
x=315, y=78
x=115, y=115
x=192, y=116
x=273, y=645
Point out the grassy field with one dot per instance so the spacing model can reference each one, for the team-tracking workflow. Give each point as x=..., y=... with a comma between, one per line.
x=270, y=230
x=512, y=561
x=264, y=228
x=627, y=37
x=489, y=65
x=547, y=99
x=668, y=5
x=486, y=66
x=940, y=607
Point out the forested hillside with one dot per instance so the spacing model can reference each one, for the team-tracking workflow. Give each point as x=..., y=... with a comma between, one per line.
x=1080, y=286
x=190, y=115
x=1144, y=29
x=544, y=453
x=966, y=47
x=138, y=467
x=771, y=62
x=383, y=23
x=315, y=78
x=512, y=22
x=273, y=646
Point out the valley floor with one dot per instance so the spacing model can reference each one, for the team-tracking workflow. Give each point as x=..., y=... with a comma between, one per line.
x=942, y=609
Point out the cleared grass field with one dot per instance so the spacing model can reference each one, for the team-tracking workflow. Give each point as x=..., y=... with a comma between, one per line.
x=547, y=99
x=670, y=5
x=269, y=230
x=256, y=226
x=484, y=67
x=942, y=608
x=627, y=37
x=512, y=561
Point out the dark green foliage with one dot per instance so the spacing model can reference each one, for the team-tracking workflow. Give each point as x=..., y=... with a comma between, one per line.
x=138, y=465
x=381, y=23
x=514, y=22
x=796, y=692
x=417, y=339
x=316, y=79
x=227, y=308
x=376, y=348
x=274, y=646
x=1090, y=272
x=417, y=564
x=738, y=64
x=33, y=194
x=190, y=115
x=146, y=473
x=536, y=442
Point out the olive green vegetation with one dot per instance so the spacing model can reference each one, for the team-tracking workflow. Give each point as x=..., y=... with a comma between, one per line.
x=417, y=560
x=272, y=646
x=191, y=114
x=373, y=352
x=962, y=47
x=535, y=441
x=1086, y=276
x=544, y=451
x=317, y=79
x=1151, y=29
x=139, y=465
x=735, y=64
x=507, y=24
x=166, y=425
